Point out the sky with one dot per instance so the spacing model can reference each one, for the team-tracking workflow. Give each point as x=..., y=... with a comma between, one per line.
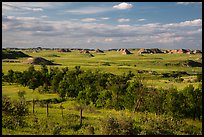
x=103, y=25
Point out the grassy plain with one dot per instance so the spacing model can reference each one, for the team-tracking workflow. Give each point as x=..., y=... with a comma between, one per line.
x=109, y=61
x=116, y=63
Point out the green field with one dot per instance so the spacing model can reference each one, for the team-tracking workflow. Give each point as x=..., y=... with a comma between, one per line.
x=116, y=63
x=109, y=61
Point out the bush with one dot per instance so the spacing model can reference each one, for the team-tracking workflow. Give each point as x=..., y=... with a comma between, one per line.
x=166, y=125
x=57, y=129
x=158, y=126
x=121, y=125
x=191, y=130
x=14, y=112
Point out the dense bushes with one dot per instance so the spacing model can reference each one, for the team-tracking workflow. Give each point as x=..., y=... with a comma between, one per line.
x=14, y=112
x=106, y=90
x=165, y=125
x=121, y=125
x=147, y=124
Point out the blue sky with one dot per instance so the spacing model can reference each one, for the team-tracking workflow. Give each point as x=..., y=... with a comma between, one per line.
x=104, y=25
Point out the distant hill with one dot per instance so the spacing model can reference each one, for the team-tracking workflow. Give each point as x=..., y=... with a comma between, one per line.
x=39, y=61
x=8, y=54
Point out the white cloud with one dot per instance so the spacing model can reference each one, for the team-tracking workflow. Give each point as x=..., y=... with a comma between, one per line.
x=123, y=20
x=152, y=25
x=105, y=18
x=35, y=9
x=141, y=19
x=14, y=19
x=37, y=31
x=188, y=3
x=4, y=27
x=44, y=16
x=19, y=6
x=108, y=40
x=26, y=18
x=196, y=22
x=89, y=10
x=123, y=6
x=123, y=26
x=32, y=4
x=88, y=19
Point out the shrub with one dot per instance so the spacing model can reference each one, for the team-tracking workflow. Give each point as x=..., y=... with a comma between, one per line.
x=14, y=112
x=121, y=125
x=57, y=129
x=166, y=125
x=191, y=130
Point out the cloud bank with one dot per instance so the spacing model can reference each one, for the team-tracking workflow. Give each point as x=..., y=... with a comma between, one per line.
x=24, y=31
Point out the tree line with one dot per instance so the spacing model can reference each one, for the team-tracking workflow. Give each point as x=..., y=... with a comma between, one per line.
x=107, y=90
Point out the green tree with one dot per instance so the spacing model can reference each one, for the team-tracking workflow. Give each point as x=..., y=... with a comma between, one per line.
x=10, y=76
x=62, y=89
x=193, y=101
x=117, y=85
x=103, y=98
x=55, y=81
x=130, y=97
x=45, y=74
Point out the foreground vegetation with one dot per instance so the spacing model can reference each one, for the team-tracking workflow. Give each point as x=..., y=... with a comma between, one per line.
x=64, y=100
x=95, y=121
x=105, y=91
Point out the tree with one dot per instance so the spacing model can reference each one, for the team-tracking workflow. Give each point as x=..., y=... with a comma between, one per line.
x=31, y=69
x=45, y=74
x=64, y=70
x=35, y=80
x=62, y=89
x=77, y=70
x=88, y=95
x=33, y=83
x=130, y=97
x=25, y=78
x=194, y=101
x=10, y=76
x=103, y=98
x=55, y=81
x=117, y=85
x=140, y=91
x=17, y=76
